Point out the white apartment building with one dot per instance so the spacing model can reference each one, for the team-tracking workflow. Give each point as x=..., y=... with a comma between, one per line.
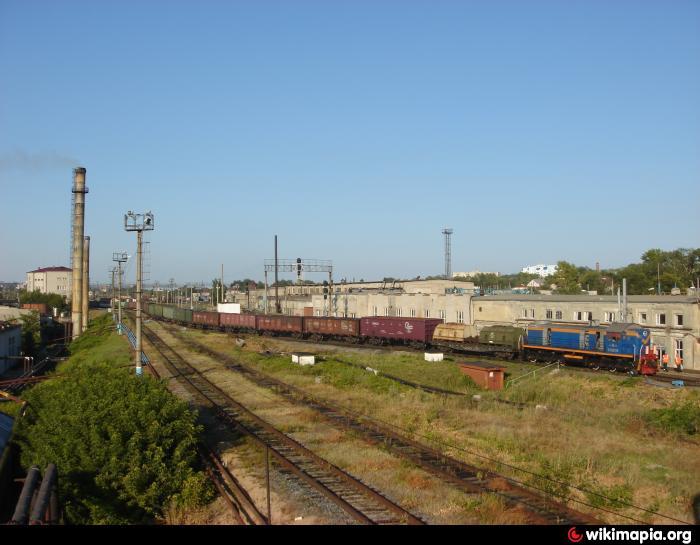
x=541, y=269
x=50, y=280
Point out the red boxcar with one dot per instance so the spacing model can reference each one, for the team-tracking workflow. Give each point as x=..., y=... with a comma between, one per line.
x=332, y=326
x=408, y=329
x=206, y=318
x=246, y=321
x=290, y=324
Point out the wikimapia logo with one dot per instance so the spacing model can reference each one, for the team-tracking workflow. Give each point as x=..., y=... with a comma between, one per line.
x=636, y=536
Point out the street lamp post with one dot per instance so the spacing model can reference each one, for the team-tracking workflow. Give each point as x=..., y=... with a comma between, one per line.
x=138, y=223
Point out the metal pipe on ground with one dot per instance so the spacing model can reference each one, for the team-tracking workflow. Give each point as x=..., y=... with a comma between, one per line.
x=21, y=514
x=44, y=496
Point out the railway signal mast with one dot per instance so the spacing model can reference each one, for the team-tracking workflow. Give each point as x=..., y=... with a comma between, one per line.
x=138, y=223
x=299, y=266
x=119, y=257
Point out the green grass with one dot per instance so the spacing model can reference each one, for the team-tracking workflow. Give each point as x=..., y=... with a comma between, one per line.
x=681, y=418
x=98, y=344
x=613, y=436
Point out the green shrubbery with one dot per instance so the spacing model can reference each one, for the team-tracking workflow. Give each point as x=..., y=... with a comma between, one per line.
x=681, y=418
x=125, y=447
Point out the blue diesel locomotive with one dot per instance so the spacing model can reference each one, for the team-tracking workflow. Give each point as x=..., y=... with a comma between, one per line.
x=619, y=346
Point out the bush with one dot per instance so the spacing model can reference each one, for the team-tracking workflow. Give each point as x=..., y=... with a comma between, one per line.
x=683, y=418
x=125, y=447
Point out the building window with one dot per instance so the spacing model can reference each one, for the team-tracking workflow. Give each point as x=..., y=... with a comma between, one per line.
x=610, y=317
x=460, y=316
x=578, y=316
x=427, y=313
x=532, y=313
x=399, y=312
x=442, y=314
x=386, y=311
x=642, y=317
x=679, y=348
x=548, y=313
x=661, y=319
x=558, y=315
x=375, y=312
x=413, y=312
x=679, y=319
x=524, y=313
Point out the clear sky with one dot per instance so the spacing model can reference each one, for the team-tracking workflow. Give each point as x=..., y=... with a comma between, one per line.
x=354, y=130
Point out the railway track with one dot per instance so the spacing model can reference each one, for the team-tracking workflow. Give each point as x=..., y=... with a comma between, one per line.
x=237, y=498
x=359, y=501
x=671, y=376
x=466, y=477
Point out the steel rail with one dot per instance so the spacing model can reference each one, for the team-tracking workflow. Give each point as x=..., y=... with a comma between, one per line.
x=345, y=491
x=469, y=478
x=229, y=489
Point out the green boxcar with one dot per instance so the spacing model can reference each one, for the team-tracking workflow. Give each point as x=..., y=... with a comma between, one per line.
x=151, y=309
x=183, y=315
x=502, y=335
x=168, y=312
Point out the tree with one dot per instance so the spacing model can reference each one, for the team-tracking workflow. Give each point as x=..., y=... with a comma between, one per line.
x=52, y=300
x=566, y=278
x=125, y=447
x=31, y=333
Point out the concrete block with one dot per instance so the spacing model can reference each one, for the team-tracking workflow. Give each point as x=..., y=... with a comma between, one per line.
x=434, y=356
x=302, y=358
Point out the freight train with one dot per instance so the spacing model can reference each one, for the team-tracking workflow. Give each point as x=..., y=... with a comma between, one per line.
x=619, y=346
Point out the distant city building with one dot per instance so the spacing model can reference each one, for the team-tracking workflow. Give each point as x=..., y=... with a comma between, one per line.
x=50, y=280
x=472, y=274
x=10, y=344
x=541, y=270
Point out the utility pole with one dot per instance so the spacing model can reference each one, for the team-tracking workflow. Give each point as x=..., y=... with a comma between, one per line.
x=278, y=308
x=119, y=257
x=138, y=223
x=111, y=306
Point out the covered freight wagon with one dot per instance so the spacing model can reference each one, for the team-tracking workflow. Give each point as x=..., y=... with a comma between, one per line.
x=346, y=327
x=237, y=321
x=203, y=318
x=398, y=328
x=286, y=324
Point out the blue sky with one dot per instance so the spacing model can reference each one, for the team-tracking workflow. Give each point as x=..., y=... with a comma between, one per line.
x=356, y=131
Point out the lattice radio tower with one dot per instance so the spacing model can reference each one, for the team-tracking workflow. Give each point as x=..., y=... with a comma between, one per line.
x=448, y=252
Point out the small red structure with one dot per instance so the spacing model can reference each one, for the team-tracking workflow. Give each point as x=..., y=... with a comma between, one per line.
x=485, y=375
x=41, y=308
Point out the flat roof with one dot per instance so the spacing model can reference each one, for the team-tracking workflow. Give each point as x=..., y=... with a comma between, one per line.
x=591, y=298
